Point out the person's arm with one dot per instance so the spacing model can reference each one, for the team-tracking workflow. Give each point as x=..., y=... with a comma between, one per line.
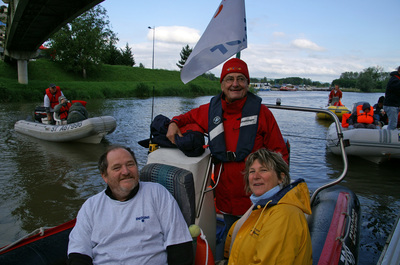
x=197, y=116
x=352, y=119
x=272, y=138
x=46, y=104
x=79, y=244
x=175, y=252
x=58, y=107
x=173, y=130
x=79, y=259
x=176, y=233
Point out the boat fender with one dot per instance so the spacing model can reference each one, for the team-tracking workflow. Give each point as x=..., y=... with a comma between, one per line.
x=204, y=254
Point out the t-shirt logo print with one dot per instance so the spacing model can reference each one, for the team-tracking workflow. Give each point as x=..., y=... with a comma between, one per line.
x=142, y=218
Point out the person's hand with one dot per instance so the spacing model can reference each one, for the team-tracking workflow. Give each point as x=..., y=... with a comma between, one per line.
x=173, y=129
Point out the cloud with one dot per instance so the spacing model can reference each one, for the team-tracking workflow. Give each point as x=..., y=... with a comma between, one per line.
x=306, y=44
x=278, y=34
x=175, y=34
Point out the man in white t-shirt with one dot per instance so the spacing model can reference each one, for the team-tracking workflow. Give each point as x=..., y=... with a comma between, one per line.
x=130, y=222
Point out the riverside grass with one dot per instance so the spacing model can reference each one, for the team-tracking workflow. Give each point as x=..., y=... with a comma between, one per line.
x=109, y=81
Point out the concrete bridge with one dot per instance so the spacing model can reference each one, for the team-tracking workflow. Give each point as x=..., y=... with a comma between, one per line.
x=31, y=22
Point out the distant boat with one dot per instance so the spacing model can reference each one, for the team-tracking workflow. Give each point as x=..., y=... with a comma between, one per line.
x=338, y=110
x=91, y=130
x=375, y=145
x=335, y=107
x=261, y=86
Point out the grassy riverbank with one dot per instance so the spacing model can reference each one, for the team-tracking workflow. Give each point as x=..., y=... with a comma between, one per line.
x=111, y=81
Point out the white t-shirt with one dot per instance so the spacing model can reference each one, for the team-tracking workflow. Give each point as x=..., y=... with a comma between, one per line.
x=136, y=231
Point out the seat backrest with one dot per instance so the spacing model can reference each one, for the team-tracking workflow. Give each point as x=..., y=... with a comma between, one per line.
x=335, y=100
x=56, y=118
x=178, y=181
x=354, y=107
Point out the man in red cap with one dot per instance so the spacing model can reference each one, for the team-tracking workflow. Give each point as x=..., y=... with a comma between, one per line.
x=237, y=125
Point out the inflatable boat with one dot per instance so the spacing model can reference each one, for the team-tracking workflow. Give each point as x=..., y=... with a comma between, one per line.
x=336, y=107
x=91, y=130
x=390, y=253
x=337, y=110
x=334, y=222
x=376, y=145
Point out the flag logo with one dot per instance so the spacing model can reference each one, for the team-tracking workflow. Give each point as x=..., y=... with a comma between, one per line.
x=225, y=35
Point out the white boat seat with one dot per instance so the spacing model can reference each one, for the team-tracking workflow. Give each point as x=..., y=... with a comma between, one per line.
x=178, y=181
x=57, y=119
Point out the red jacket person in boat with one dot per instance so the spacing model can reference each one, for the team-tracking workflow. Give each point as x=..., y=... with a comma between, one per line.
x=335, y=93
x=237, y=124
x=62, y=109
x=50, y=100
x=274, y=230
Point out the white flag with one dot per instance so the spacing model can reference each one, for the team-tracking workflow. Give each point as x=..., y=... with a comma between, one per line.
x=224, y=36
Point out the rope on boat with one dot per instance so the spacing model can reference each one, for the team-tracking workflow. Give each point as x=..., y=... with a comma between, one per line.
x=203, y=237
x=40, y=230
x=347, y=215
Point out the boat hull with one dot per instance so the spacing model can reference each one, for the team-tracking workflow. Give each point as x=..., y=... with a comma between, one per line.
x=334, y=226
x=338, y=110
x=376, y=145
x=91, y=130
x=40, y=249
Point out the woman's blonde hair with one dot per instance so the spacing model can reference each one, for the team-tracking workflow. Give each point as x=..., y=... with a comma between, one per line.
x=272, y=161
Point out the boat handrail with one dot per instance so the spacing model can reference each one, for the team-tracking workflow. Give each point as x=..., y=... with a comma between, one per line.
x=340, y=137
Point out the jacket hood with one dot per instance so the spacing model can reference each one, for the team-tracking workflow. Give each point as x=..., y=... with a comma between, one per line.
x=296, y=194
x=394, y=73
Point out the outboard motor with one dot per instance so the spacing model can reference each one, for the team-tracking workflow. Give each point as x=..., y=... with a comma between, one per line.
x=40, y=113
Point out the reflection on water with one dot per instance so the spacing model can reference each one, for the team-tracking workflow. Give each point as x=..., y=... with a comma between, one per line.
x=44, y=184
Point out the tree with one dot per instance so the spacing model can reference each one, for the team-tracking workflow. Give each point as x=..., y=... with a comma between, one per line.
x=186, y=51
x=112, y=55
x=365, y=82
x=127, y=56
x=79, y=45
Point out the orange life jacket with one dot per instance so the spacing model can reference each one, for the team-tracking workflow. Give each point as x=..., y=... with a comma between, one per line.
x=53, y=98
x=365, y=117
x=345, y=116
x=63, y=113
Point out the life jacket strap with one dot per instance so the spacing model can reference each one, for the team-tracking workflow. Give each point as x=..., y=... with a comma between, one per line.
x=230, y=156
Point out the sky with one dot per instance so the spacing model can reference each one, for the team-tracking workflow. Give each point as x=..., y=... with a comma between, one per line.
x=315, y=39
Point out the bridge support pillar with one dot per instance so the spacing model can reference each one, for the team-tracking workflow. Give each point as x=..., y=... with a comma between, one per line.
x=23, y=71
x=22, y=58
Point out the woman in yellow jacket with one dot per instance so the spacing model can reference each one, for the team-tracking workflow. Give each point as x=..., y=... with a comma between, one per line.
x=274, y=230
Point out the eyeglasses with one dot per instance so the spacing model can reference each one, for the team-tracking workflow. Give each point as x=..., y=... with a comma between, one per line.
x=240, y=79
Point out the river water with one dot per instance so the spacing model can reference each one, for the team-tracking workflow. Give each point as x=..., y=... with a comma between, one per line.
x=44, y=184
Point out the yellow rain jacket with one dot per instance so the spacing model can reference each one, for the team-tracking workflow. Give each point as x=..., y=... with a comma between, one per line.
x=275, y=232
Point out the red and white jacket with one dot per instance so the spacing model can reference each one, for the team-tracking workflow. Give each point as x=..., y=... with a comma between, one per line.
x=230, y=194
